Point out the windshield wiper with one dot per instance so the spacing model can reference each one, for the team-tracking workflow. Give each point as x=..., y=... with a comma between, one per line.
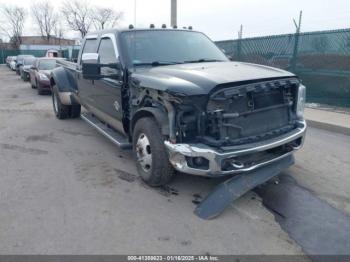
x=157, y=63
x=203, y=60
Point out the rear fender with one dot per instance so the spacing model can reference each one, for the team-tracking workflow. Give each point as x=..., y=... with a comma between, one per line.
x=64, y=82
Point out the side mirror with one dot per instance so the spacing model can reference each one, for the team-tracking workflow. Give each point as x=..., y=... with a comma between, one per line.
x=94, y=70
x=90, y=66
x=33, y=67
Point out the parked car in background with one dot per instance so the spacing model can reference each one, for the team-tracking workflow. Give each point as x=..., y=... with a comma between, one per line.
x=39, y=74
x=53, y=53
x=28, y=62
x=13, y=63
x=9, y=59
x=19, y=62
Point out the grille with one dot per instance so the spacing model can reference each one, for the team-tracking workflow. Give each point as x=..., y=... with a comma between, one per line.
x=251, y=112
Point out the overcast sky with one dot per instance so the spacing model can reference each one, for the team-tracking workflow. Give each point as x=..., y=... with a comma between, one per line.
x=221, y=19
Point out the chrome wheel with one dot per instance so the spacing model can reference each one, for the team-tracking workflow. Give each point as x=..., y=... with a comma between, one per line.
x=143, y=152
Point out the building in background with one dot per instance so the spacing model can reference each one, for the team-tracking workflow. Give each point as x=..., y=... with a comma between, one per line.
x=38, y=46
x=43, y=44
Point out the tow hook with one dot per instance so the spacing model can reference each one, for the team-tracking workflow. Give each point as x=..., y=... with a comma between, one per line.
x=237, y=164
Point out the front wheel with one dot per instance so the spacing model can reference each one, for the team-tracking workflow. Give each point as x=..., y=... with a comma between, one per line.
x=150, y=153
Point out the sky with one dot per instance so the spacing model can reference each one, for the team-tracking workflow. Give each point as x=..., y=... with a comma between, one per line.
x=221, y=19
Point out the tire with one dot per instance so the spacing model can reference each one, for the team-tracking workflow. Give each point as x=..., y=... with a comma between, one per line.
x=34, y=86
x=61, y=111
x=75, y=111
x=150, y=153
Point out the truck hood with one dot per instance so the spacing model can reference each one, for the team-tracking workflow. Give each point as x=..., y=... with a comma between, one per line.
x=201, y=78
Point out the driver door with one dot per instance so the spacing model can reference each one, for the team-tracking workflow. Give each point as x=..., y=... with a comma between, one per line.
x=108, y=96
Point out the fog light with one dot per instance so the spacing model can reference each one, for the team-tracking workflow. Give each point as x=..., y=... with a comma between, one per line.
x=198, y=161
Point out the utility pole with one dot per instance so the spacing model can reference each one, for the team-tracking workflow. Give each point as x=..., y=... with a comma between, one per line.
x=173, y=20
x=240, y=32
x=296, y=42
x=239, y=44
x=135, y=12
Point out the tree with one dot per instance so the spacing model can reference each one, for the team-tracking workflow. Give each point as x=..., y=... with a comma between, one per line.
x=59, y=30
x=78, y=15
x=45, y=18
x=105, y=18
x=13, y=23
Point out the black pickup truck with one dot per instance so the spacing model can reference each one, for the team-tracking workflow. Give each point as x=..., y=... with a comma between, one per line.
x=180, y=104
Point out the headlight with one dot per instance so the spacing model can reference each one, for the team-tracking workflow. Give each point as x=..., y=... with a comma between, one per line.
x=43, y=76
x=301, y=101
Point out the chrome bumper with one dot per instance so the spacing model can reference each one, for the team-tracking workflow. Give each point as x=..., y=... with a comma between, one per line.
x=179, y=152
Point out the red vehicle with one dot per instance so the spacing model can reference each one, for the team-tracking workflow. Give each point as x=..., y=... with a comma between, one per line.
x=40, y=73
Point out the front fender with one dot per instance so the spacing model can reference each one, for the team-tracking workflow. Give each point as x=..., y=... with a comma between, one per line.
x=160, y=116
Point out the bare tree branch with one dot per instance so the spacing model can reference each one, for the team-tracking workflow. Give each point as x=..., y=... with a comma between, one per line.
x=59, y=30
x=13, y=23
x=105, y=18
x=78, y=15
x=45, y=18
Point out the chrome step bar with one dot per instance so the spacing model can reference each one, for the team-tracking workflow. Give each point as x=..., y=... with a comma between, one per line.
x=113, y=135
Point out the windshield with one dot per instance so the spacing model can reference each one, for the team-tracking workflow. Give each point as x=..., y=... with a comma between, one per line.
x=47, y=64
x=29, y=61
x=159, y=47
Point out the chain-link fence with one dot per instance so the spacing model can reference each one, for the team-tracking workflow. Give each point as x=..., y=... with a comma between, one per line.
x=37, y=53
x=320, y=59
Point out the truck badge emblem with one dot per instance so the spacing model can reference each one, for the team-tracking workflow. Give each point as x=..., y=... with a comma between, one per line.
x=116, y=105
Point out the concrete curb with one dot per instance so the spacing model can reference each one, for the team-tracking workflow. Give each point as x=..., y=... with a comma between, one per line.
x=329, y=127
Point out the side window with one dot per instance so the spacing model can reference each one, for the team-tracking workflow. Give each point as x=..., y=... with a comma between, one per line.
x=107, y=55
x=90, y=46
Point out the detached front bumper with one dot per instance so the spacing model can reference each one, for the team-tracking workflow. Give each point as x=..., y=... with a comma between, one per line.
x=235, y=159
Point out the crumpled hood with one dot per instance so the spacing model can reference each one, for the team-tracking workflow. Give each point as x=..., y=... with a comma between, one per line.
x=201, y=78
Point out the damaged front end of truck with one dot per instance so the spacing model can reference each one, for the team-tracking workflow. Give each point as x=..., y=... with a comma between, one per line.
x=246, y=129
x=250, y=130
x=238, y=128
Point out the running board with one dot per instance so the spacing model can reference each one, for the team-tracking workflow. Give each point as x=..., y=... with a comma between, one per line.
x=117, y=138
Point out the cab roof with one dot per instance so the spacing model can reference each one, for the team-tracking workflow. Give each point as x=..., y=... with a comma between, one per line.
x=118, y=31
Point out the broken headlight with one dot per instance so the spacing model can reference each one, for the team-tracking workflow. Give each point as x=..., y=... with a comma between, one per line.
x=301, y=101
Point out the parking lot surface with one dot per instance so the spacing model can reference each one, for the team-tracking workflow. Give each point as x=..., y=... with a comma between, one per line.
x=65, y=189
